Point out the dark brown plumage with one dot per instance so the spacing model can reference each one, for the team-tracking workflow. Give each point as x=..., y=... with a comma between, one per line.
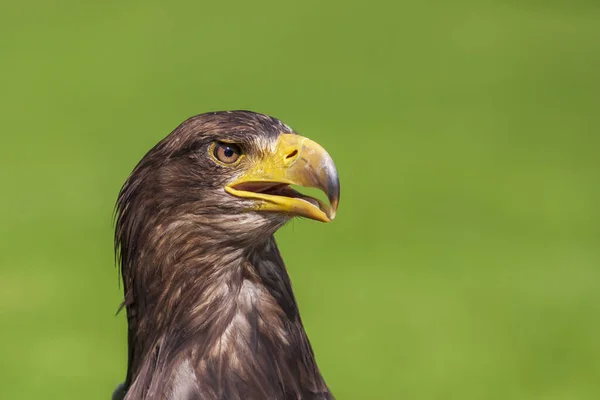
x=210, y=308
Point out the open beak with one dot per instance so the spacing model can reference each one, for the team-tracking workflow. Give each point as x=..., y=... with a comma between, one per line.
x=296, y=160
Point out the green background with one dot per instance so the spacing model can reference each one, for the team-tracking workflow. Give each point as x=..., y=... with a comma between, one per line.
x=465, y=259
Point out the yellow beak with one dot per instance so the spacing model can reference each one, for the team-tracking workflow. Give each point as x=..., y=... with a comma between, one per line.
x=296, y=160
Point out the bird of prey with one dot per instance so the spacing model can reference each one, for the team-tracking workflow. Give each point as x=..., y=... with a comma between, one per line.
x=210, y=308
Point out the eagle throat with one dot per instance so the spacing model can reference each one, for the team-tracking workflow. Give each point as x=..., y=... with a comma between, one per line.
x=215, y=322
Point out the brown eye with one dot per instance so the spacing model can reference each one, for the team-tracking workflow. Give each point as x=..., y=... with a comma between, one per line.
x=227, y=153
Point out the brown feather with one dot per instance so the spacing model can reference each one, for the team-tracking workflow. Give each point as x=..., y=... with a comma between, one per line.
x=210, y=308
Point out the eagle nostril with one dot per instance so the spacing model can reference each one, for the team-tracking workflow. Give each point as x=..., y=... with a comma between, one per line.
x=291, y=156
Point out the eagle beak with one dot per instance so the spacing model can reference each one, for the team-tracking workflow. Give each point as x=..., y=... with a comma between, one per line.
x=296, y=160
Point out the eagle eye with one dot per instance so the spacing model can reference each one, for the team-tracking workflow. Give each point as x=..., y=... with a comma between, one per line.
x=227, y=153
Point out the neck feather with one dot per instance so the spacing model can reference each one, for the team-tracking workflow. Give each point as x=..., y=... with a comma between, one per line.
x=210, y=320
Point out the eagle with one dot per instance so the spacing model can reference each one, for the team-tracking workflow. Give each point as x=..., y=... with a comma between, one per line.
x=210, y=309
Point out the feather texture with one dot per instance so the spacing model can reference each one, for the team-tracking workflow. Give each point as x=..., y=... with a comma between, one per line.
x=210, y=308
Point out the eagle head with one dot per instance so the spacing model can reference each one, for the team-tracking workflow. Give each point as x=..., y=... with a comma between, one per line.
x=236, y=169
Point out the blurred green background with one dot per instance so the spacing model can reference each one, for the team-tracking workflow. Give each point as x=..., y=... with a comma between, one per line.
x=465, y=259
